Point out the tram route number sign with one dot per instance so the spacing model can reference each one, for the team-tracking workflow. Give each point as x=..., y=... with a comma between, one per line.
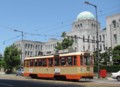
x=57, y=70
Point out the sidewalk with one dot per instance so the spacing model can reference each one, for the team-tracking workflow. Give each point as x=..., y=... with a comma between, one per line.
x=106, y=78
x=2, y=72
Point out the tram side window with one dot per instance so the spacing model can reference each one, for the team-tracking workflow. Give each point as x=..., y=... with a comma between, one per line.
x=40, y=62
x=35, y=63
x=31, y=62
x=63, y=61
x=74, y=60
x=69, y=60
x=81, y=60
x=44, y=62
x=50, y=61
x=56, y=62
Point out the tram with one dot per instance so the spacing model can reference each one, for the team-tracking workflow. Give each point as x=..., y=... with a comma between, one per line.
x=69, y=66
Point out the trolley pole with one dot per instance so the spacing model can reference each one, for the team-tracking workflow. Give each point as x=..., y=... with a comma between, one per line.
x=97, y=42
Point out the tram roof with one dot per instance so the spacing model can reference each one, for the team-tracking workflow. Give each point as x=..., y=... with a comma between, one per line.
x=51, y=56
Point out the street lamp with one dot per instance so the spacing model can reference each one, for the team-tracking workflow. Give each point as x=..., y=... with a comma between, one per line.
x=97, y=42
x=21, y=43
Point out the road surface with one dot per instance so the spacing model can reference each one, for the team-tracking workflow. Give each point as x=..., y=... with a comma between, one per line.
x=19, y=81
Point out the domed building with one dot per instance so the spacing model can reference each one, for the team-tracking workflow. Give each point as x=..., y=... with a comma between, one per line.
x=85, y=27
x=85, y=15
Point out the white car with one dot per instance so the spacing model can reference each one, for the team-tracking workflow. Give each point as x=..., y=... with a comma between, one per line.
x=116, y=75
x=19, y=72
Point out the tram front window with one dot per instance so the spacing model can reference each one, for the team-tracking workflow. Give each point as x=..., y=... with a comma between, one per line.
x=87, y=60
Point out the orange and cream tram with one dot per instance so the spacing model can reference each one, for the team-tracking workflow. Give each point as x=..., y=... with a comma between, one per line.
x=70, y=66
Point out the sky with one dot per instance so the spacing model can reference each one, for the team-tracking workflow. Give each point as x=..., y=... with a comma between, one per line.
x=43, y=19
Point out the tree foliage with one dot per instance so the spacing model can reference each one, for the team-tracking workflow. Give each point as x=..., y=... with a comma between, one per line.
x=104, y=57
x=116, y=55
x=11, y=57
x=66, y=42
x=2, y=63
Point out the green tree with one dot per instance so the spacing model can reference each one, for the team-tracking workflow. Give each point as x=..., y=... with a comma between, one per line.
x=66, y=42
x=63, y=35
x=2, y=63
x=104, y=58
x=59, y=46
x=116, y=55
x=11, y=57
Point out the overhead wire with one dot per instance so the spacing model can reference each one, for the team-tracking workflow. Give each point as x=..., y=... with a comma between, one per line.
x=50, y=29
x=4, y=42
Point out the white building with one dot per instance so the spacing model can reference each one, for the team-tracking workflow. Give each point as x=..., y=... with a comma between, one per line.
x=35, y=48
x=84, y=26
x=113, y=30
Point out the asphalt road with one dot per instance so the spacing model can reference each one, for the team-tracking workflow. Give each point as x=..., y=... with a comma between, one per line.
x=18, y=83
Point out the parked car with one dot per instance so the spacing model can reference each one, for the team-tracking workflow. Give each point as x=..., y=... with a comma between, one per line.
x=19, y=72
x=116, y=75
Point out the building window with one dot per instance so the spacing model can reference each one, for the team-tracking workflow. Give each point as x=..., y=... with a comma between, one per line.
x=28, y=46
x=115, y=39
x=103, y=37
x=83, y=38
x=28, y=53
x=31, y=53
x=100, y=37
x=92, y=25
x=114, y=23
x=88, y=38
x=100, y=47
x=75, y=39
x=81, y=25
x=25, y=53
x=25, y=45
x=104, y=47
x=76, y=26
x=93, y=39
x=31, y=46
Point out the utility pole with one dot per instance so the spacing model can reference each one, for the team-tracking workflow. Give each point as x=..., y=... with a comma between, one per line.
x=97, y=42
x=21, y=44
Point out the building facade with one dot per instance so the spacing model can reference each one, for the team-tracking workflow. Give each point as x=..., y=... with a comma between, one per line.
x=85, y=27
x=36, y=48
x=84, y=34
x=113, y=30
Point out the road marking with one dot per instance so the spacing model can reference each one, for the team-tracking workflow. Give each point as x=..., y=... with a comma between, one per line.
x=6, y=84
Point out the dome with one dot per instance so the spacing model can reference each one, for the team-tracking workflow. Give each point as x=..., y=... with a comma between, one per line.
x=85, y=15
